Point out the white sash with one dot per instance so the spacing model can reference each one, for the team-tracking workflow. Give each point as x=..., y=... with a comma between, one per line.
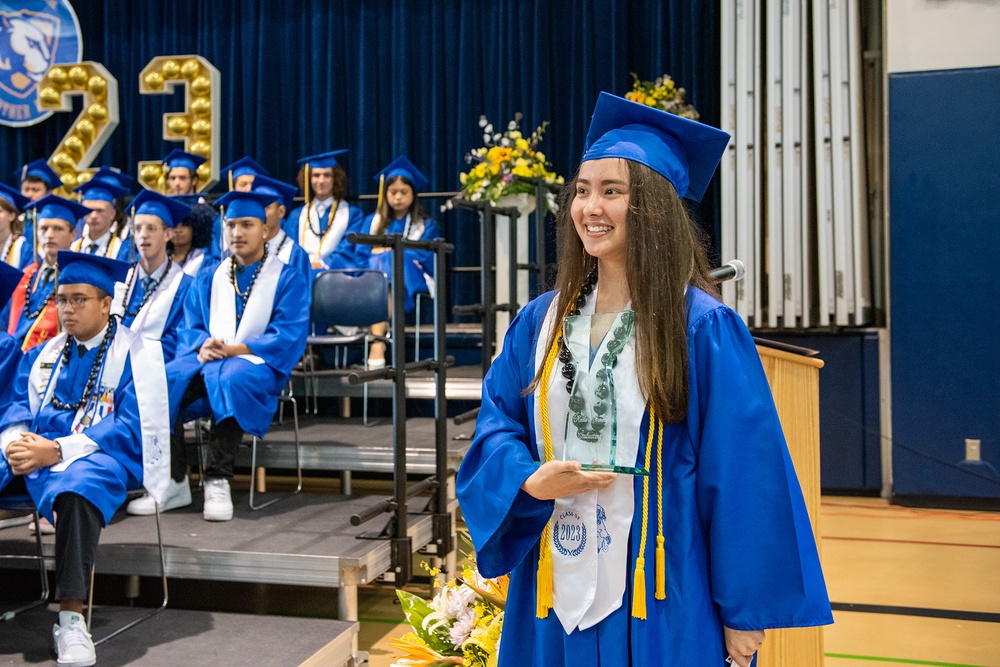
x=152, y=317
x=13, y=254
x=282, y=241
x=590, y=561
x=193, y=262
x=150, y=382
x=104, y=249
x=256, y=316
x=320, y=246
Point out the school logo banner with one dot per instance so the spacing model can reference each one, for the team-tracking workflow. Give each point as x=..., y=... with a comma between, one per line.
x=34, y=35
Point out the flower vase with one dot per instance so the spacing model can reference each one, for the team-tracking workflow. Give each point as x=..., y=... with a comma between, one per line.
x=525, y=204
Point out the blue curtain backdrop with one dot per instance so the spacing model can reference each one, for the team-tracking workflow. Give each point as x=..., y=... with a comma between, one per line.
x=384, y=77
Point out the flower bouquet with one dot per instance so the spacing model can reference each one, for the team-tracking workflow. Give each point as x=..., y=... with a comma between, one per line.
x=459, y=626
x=503, y=156
x=663, y=94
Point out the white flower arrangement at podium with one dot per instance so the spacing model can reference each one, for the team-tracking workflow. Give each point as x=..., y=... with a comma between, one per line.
x=503, y=156
x=661, y=93
x=460, y=626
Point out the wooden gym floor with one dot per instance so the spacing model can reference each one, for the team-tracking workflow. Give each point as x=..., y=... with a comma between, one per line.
x=909, y=587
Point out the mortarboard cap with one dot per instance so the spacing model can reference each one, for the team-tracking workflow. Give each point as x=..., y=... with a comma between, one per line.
x=178, y=158
x=80, y=268
x=112, y=176
x=101, y=190
x=323, y=160
x=402, y=166
x=246, y=204
x=13, y=197
x=51, y=206
x=271, y=186
x=167, y=209
x=9, y=278
x=40, y=169
x=683, y=151
x=245, y=166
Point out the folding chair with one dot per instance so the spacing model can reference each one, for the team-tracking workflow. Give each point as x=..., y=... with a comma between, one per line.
x=23, y=503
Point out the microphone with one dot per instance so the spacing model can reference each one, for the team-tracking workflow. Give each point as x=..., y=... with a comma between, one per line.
x=733, y=270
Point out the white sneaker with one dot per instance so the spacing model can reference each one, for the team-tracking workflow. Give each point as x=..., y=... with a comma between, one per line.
x=218, y=500
x=178, y=495
x=9, y=518
x=47, y=528
x=74, y=645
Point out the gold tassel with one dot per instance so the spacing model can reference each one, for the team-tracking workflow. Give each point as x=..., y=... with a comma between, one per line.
x=543, y=598
x=639, y=589
x=230, y=180
x=661, y=570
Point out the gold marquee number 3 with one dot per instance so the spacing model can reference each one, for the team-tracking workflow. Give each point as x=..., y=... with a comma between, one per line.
x=196, y=125
x=95, y=124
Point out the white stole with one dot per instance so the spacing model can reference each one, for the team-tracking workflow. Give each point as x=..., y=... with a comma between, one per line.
x=12, y=250
x=320, y=246
x=256, y=315
x=109, y=249
x=282, y=241
x=150, y=383
x=152, y=317
x=590, y=561
x=193, y=262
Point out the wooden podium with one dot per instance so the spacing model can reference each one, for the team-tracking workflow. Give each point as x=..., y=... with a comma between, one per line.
x=794, y=381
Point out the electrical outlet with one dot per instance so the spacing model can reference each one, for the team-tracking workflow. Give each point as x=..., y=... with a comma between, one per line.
x=972, y=450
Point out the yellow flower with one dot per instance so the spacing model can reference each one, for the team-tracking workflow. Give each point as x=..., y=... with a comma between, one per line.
x=514, y=135
x=522, y=144
x=650, y=102
x=463, y=178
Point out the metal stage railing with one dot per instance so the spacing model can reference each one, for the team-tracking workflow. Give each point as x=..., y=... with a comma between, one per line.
x=402, y=561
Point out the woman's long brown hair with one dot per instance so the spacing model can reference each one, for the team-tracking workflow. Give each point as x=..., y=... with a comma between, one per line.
x=386, y=214
x=664, y=252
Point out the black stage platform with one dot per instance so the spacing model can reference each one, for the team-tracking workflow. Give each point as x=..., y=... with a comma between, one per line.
x=177, y=637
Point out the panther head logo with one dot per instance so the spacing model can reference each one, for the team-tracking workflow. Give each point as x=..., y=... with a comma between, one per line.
x=27, y=48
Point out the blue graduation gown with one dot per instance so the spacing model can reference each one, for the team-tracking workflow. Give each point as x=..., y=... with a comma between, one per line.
x=739, y=547
x=102, y=477
x=38, y=297
x=344, y=255
x=168, y=341
x=237, y=387
x=417, y=262
x=10, y=357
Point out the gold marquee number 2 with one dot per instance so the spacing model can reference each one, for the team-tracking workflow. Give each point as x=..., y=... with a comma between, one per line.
x=196, y=125
x=95, y=124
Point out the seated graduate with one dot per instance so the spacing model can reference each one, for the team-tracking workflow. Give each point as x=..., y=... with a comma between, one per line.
x=10, y=357
x=31, y=316
x=399, y=212
x=105, y=222
x=191, y=245
x=38, y=179
x=685, y=398
x=287, y=250
x=16, y=246
x=151, y=300
x=321, y=225
x=180, y=180
x=82, y=429
x=241, y=174
x=244, y=330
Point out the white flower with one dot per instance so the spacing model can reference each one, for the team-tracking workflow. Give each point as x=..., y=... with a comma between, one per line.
x=486, y=138
x=488, y=128
x=460, y=632
x=483, y=121
x=505, y=142
x=512, y=125
x=496, y=137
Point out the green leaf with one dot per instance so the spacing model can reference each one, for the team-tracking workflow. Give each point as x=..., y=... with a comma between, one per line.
x=416, y=609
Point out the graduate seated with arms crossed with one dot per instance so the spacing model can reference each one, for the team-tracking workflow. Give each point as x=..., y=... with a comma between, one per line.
x=31, y=316
x=278, y=242
x=104, y=230
x=734, y=553
x=82, y=429
x=38, y=179
x=244, y=331
x=321, y=226
x=399, y=212
x=16, y=246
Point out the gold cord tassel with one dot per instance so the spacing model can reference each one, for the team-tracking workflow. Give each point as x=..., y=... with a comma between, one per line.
x=639, y=589
x=543, y=594
x=661, y=569
x=543, y=599
x=230, y=180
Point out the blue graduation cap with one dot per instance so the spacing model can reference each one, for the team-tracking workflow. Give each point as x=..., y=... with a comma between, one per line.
x=168, y=209
x=51, y=206
x=272, y=186
x=402, y=166
x=246, y=204
x=40, y=169
x=80, y=268
x=101, y=191
x=683, y=151
x=246, y=166
x=323, y=160
x=112, y=176
x=178, y=158
x=9, y=278
x=13, y=197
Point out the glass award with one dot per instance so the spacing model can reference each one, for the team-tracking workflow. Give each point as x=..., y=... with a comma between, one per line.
x=591, y=432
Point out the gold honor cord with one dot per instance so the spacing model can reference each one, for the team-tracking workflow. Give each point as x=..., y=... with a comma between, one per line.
x=543, y=600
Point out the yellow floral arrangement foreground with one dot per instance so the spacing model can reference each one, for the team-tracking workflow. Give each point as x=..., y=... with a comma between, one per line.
x=663, y=94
